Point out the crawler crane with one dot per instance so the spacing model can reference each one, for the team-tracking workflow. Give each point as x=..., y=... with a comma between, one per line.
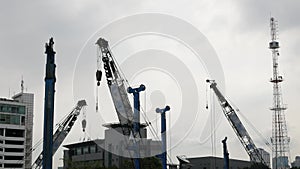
x=116, y=86
x=237, y=125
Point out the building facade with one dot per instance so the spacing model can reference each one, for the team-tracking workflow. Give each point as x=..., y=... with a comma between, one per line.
x=79, y=155
x=113, y=151
x=28, y=100
x=210, y=162
x=16, y=116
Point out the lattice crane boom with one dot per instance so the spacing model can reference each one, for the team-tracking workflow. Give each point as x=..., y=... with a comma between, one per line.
x=62, y=131
x=115, y=83
x=238, y=127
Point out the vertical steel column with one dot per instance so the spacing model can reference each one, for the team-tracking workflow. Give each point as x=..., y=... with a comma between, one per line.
x=136, y=121
x=225, y=154
x=163, y=135
x=49, y=105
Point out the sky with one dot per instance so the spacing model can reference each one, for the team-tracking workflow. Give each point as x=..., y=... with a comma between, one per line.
x=238, y=32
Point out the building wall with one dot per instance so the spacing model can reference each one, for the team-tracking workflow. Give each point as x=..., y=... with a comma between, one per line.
x=215, y=163
x=28, y=100
x=119, y=147
x=12, y=134
x=85, y=152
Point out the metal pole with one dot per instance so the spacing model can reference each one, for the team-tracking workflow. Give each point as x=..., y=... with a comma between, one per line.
x=163, y=135
x=226, y=154
x=136, y=121
x=49, y=105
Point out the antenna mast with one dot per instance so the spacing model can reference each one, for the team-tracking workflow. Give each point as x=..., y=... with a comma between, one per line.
x=280, y=140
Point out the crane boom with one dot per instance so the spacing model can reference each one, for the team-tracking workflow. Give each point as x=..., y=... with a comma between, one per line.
x=62, y=131
x=237, y=126
x=115, y=83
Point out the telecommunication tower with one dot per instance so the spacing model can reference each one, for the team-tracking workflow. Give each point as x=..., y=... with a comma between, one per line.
x=280, y=140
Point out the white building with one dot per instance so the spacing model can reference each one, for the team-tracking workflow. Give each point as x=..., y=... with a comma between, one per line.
x=16, y=116
x=28, y=100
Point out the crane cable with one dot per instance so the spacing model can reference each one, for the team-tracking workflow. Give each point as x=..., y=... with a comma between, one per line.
x=212, y=111
x=213, y=127
x=98, y=69
x=266, y=142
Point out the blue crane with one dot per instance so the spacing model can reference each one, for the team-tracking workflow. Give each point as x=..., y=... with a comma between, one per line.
x=136, y=121
x=49, y=105
x=163, y=156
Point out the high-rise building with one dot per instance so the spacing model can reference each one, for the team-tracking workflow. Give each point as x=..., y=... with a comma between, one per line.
x=28, y=100
x=16, y=126
x=12, y=133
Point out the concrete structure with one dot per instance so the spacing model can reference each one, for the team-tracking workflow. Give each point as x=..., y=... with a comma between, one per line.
x=16, y=131
x=265, y=155
x=210, y=162
x=296, y=163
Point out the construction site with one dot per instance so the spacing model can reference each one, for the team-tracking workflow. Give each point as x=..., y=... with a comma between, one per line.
x=136, y=107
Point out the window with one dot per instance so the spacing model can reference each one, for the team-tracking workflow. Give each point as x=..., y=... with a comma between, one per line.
x=10, y=119
x=22, y=120
x=15, y=150
x=12, y=108
x=13, y=165
x=13, y=157
x=86, y=150
x=14, y=133
x=78, y=151
x=93, y=149
x=14, y=142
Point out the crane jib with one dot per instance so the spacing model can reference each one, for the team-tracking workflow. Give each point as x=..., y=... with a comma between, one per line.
x=237, y=126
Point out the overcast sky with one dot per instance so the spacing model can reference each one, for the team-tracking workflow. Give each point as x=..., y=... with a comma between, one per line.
x=238, y=31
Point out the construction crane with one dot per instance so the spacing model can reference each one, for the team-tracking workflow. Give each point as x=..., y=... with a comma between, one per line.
x=64, y=128
x=116, y=86
x=237, y=126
